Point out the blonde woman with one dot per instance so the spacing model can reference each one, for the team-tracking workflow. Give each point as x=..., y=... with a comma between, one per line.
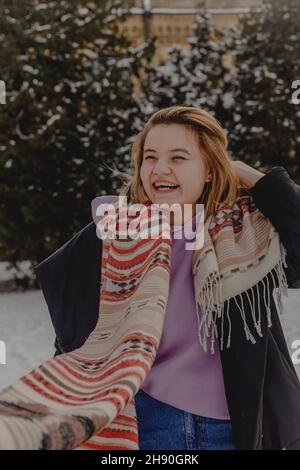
x=186, y=349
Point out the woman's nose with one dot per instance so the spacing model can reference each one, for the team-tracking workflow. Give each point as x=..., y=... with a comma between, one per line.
x=161, y=167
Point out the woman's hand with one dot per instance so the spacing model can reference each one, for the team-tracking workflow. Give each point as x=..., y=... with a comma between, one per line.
x=246, y=174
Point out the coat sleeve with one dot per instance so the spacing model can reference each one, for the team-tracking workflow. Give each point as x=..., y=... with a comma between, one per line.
x=70, y=281
x=277, y=196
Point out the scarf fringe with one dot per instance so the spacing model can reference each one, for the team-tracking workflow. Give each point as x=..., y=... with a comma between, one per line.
x=215, y=308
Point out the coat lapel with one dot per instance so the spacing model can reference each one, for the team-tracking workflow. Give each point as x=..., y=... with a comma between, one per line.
x=243, y=365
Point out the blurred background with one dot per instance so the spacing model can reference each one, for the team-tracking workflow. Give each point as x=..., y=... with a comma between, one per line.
x=80, y=78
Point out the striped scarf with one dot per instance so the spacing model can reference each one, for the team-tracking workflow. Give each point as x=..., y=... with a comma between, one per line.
x=84, y=399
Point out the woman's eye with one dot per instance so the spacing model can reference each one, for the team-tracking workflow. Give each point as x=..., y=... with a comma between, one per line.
x=151, y=156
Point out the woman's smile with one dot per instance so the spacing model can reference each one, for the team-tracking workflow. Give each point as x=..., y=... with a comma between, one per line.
x=165, y=189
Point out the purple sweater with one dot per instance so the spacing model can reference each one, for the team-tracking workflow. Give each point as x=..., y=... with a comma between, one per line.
x=183, y=375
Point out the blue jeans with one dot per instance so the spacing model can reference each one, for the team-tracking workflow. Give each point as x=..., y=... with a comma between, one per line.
x=164, y=427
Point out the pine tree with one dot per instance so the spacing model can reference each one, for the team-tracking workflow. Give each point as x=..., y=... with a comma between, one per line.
x=208, y=66
x=70, y=110
x=194, y=77
x=168, y=82
x=264, y=123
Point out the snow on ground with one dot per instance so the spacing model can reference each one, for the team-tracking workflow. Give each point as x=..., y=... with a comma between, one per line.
x=26, y=328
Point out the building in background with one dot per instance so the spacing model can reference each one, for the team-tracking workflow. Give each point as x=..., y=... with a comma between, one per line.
x=172, y=20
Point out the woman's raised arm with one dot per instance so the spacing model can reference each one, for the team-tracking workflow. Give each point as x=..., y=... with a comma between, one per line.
x=277, y=196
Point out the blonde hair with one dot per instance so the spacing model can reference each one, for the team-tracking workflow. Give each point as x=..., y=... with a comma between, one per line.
x=212, y=139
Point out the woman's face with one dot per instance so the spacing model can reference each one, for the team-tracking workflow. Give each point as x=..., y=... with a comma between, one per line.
x=171, y=155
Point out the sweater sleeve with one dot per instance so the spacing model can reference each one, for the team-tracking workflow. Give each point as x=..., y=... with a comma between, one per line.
x=69, y=279
x=277, y=196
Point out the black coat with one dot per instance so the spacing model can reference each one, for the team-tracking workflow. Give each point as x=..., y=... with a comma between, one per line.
x=261, y=384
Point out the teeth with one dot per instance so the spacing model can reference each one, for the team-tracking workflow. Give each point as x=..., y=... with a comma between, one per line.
x=168, y=186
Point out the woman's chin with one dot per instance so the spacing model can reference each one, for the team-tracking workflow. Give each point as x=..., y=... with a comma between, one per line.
x=168, y=198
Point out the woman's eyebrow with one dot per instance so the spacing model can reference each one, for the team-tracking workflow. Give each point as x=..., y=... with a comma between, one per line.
x=172, y=150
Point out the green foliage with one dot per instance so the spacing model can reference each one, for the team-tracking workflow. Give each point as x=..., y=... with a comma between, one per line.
x=69, y=112
x=194, y=77
x=263, y=121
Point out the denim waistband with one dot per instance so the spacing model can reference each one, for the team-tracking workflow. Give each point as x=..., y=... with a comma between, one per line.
x=164, y=427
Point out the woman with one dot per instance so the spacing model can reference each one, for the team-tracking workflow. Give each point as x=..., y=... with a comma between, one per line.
x=237, y=388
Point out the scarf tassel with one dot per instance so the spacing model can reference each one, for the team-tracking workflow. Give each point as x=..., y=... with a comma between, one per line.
x=213, y=308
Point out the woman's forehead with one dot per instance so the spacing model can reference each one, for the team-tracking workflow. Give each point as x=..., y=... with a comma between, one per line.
x=170, y=137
